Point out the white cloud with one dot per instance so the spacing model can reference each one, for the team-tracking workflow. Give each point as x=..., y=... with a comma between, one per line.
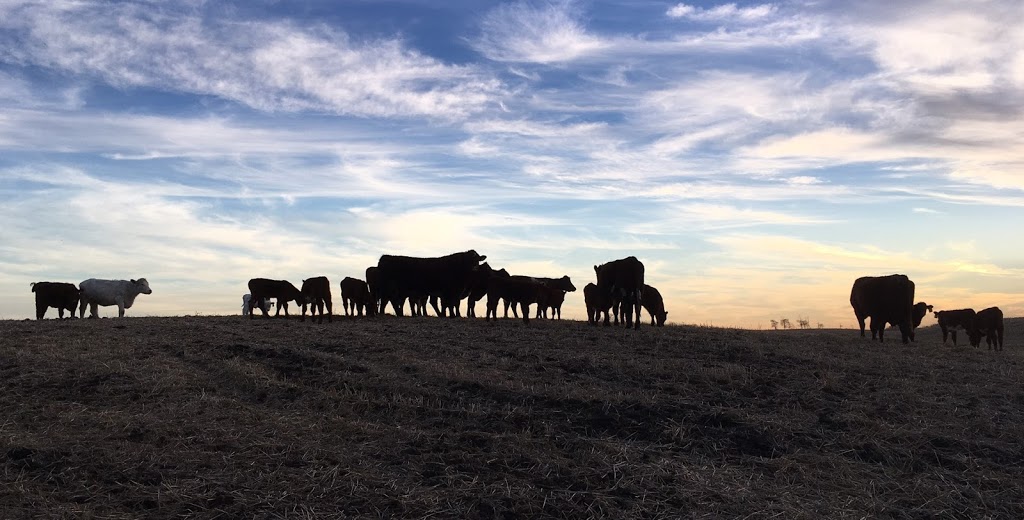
x=722, y=13
x=535, y=33
x=272, y=66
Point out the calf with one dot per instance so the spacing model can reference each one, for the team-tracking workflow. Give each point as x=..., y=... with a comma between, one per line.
x=122, y=293
x=356, y=293
x=281, y=290
x=265, y=304
x=950, y=321
x=550, y=299
x=316, y=292
x=513, y=291
x=598, y=300
x=55, y=294
x=655, y=305
x=988, y=323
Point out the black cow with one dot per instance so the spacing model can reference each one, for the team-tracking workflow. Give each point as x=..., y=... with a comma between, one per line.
x=655, y=305
x=373, y=283
x=989, y=323
x=316, y=292
x=356, y=293
x=61, y=295
x=477, y=288
x=281, y=290
x=950, y=321
x=545, y=299
x=447, y=277
x=624, y=280
x=597, y=300
x=523, y=291
x=885, y=299
x=553, y=299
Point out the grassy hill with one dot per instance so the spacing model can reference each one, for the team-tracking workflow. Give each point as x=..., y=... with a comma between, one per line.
x=222, y=416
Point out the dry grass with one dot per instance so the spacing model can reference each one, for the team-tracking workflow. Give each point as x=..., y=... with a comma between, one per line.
x=420, y=417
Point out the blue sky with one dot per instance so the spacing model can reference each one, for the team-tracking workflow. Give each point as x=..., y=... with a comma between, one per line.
x=757, y=157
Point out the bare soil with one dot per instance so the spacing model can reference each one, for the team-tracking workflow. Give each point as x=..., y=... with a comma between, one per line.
x=454, y=418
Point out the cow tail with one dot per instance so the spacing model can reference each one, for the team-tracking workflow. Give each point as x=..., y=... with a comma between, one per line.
x=33, y=286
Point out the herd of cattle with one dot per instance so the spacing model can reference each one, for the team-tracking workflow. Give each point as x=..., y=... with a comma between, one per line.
x=445, y=281
x=889, y=300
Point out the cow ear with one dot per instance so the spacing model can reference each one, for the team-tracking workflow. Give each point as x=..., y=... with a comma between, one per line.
x=133, y=281
x=595, y=268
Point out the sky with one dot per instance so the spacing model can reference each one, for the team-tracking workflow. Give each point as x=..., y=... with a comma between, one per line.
x=756, y=156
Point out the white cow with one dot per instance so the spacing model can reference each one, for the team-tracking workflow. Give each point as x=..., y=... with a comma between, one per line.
x=110, y=292
x=268, y=303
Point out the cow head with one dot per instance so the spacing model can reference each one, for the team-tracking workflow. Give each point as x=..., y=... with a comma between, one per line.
x=142, y=286
x=477, y=256
x=661, y=317
x=565, y=284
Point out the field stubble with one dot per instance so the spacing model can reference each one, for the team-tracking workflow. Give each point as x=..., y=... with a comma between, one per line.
x=420, y=417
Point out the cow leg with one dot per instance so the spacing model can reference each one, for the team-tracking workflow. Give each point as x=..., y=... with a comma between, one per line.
x=330, y=311
x=60, y=312
x=41, y=310
x=526, y=311
x=953, y=334
x=94, y=310
x=120, y=310
x=506, y=309
x=491, y=307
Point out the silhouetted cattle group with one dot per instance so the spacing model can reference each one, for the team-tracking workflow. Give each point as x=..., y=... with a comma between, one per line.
x=91, y=293
x=443, y=282
x=890, y=300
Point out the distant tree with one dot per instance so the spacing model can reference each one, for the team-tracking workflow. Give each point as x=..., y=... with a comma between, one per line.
x=785, y=323
x=821, y=325
x=775, y=324
x=804, y=324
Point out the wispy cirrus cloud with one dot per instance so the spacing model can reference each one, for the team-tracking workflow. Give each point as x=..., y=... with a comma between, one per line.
x=548, y=32
x=267, y=65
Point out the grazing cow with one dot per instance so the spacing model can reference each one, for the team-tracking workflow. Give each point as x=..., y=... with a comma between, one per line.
x=356, y=293
x=122, y=293
x=988, y=323
x=316, y=292
x=281, y=290
x=447, y=277
x=624, y=280
x=597, y=300
x=950, y=321
x=265, y=304
x=885, y=299
x=655, y=305
x=61, y=295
